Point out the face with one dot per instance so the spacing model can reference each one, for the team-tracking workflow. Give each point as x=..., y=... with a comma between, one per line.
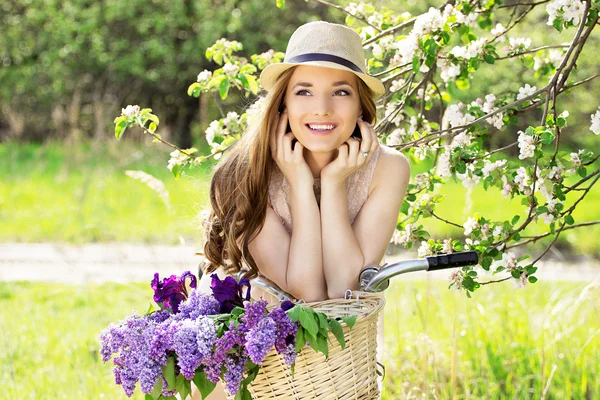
x=322, y=98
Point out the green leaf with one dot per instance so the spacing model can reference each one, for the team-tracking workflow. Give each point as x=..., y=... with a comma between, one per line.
x=547, y=137
x=224, y=88
x=300, y=340
x=203, y=384
x=120, y=129
x=532, y=279
x=489, y=59
x=323, y=324
x=416, y=61
x=515, y=219
x=463, y=84
x=152, y=127
x=322, y=345
x=294, y=313
x=280, y=4
x=183, y=386
x=569, y=220
x=338, y=332
x=581, y=171
x=177, y=170
x=350, y=320
x=307, y=320
x=157, y=390
x=169, y=373
x=561, y=121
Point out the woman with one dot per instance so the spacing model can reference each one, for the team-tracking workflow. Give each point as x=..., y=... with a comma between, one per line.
x=308, y=197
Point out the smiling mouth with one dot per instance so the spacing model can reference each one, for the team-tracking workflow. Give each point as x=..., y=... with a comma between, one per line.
x=320, y=131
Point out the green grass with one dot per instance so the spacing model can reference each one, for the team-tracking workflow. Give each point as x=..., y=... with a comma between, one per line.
x=503, y=343
x=80, y=194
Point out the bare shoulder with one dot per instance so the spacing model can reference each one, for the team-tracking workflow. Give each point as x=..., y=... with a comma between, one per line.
x=392, y=168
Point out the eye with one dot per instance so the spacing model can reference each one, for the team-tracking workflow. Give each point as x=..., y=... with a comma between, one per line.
x=343, y=92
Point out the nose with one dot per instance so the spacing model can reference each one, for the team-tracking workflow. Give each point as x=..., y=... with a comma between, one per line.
x=322, y=105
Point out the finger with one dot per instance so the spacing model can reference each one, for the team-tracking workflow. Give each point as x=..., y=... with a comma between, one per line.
x=353, y=149
x=365, y=135
x=286, y=145
x=298, y=153
x=375, y=142
x=343, y=152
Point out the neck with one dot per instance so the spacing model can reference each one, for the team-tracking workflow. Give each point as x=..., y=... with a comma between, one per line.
x=317, y=161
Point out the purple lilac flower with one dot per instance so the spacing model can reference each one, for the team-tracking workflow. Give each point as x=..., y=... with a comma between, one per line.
x=286, y=305
x=289, y=355
x=186, y=340
x=223, y=345
x=286, y=334
x=131, y=339
x=234, y=373
x=260, y=339
x=254, y=313
x=162, y=340
x=228, y=292
x=172, y=291
x=198, y=304
x=149, y=375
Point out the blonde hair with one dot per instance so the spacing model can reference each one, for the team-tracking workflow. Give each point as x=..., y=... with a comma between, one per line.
x=239, y=188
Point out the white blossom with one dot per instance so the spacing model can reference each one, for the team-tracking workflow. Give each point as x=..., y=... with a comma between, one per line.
x=424, y=250
x=521, y=282
x=447, y=247
x=488, y=166
x=204, y=76
x=526, y=146
x=230, y=69
x=471, y=50
x=130, y=111
x=515, y=43
x=428, y=22
x=456, y=278
x=509, y=262
x=470, y=226
x=443, y=167
x=397, y=85
x=526, y=91
x=498, y=30
x=214, y=129
x=177, y=158
x=595, y=127
x=523, y=181
x=406, y=48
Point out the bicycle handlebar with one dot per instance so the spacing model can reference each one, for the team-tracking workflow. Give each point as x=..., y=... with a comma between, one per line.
x=376, y=278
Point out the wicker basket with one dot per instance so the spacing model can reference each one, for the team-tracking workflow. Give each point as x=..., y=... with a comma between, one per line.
x=347, y=374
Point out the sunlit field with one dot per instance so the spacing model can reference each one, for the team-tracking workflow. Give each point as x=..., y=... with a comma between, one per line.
x=503, y=343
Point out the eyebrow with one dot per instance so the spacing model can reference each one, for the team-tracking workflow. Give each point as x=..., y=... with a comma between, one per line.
x=308, y=84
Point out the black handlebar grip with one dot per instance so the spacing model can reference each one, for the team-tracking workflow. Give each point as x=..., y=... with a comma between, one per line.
x=452, y=260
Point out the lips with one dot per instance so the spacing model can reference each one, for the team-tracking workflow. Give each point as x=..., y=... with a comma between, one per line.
x=320, y=131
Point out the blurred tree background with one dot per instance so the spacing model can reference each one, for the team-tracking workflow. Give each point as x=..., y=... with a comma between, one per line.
x=67, y=67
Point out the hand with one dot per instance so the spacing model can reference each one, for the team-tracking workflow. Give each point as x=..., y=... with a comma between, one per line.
x=290, y=160
x=350, y=158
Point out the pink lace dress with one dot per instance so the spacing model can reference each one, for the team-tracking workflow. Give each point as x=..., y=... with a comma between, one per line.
x=357, y=190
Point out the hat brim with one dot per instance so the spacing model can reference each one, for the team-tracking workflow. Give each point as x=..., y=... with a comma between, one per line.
x=271, y=73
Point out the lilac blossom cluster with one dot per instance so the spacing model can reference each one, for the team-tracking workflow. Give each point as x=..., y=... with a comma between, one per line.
x=198, y=336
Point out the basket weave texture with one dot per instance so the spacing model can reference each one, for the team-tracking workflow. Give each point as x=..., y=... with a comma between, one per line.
x=347, y=374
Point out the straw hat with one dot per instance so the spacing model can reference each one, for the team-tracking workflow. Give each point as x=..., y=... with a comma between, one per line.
x=324, y=44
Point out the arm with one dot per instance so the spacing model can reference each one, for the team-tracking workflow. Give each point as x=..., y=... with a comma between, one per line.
x=348, y=249
x=294, y=262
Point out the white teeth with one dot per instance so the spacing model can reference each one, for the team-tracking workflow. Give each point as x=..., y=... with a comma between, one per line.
x=321, y=127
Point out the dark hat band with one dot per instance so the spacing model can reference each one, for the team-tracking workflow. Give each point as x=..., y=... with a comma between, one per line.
x=324, y=57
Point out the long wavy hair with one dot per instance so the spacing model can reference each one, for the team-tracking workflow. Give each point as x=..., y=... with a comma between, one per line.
x=239, y=188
